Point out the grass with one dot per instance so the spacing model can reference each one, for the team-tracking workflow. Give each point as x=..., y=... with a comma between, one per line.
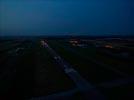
x=36, y=75
x=91, y=71
x=95, y=54
x=49, y=77
x=118, y=93
x=9, y=83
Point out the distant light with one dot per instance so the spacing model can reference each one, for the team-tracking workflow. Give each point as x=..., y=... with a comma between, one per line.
x=73, y=41
x=43, y=42
x=74, y=44
x=108, y=46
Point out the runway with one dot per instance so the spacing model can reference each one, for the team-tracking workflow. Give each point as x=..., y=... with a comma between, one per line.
x=87, y=89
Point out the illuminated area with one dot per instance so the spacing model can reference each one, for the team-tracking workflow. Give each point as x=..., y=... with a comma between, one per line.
x=108, y=46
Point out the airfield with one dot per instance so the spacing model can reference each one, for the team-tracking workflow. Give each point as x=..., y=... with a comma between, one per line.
x=73, y=68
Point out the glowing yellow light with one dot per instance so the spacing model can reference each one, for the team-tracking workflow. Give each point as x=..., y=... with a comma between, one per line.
x=108, y=46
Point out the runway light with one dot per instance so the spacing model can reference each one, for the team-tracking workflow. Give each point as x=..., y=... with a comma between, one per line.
x=74, y=44
x=43, y=42
x=73, y=41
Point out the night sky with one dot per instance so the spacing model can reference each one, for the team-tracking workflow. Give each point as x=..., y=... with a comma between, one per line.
x=66, y=17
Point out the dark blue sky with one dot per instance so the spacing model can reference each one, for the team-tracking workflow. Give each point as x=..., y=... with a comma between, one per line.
x=66, y=17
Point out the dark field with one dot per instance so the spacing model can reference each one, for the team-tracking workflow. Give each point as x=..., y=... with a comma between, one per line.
x=66, y=68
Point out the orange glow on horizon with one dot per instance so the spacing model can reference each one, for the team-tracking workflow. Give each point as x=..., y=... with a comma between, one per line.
x=108, y=46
